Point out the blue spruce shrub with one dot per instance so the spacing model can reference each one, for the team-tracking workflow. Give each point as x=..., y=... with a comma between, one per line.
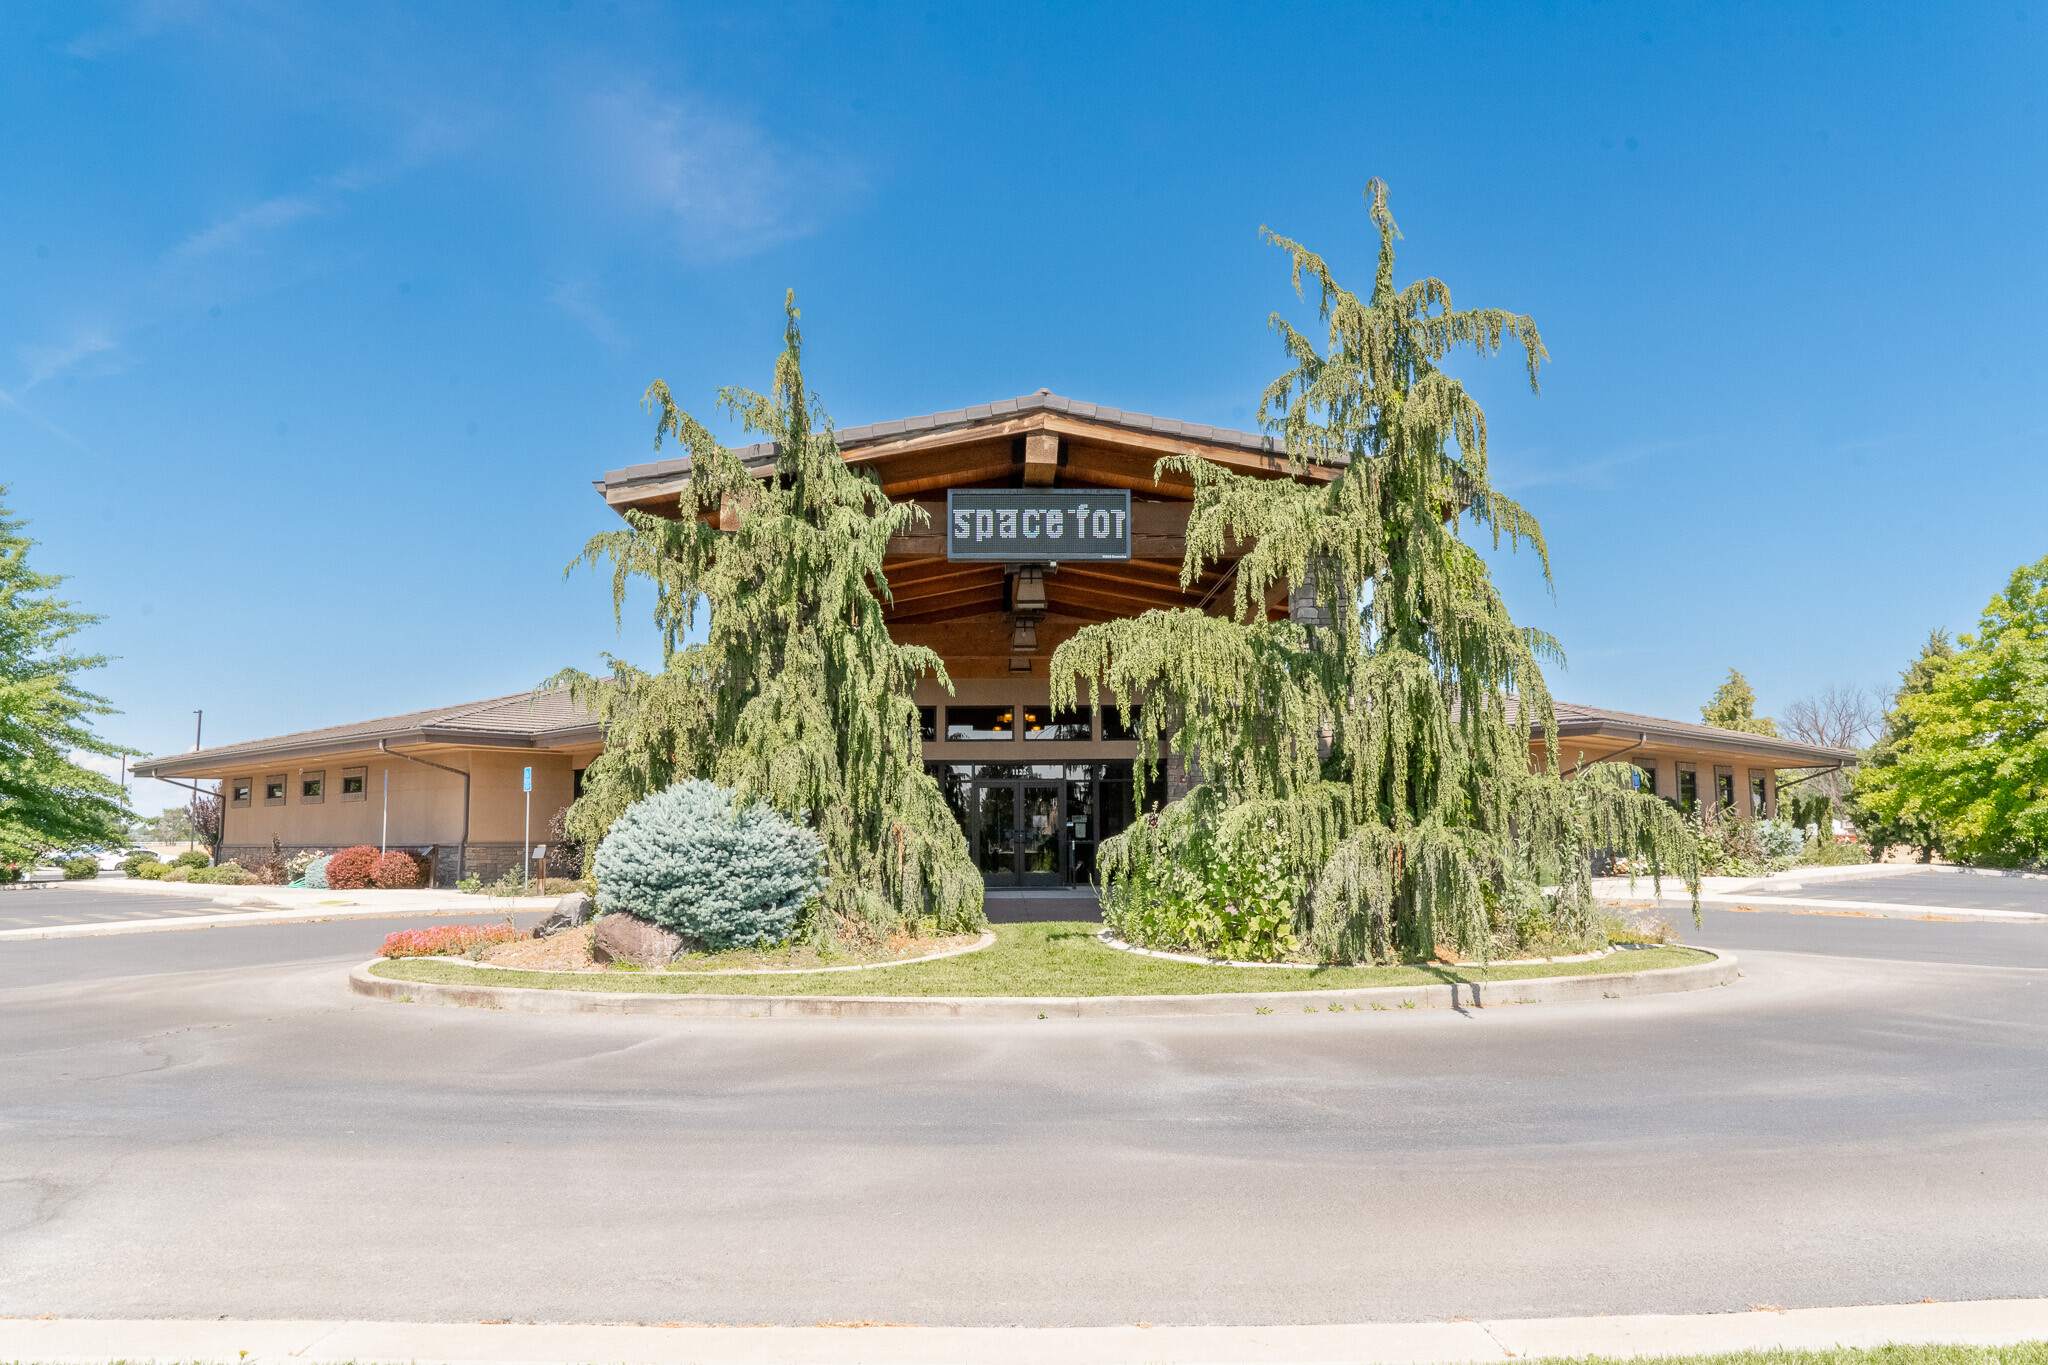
x=691, y=859
x=316, y=873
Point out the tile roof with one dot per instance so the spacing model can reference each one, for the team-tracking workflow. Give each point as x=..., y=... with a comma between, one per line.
x=1043, y=400
x=522, y=716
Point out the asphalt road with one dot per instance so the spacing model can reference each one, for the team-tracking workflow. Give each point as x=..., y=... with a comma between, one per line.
x=203, y=1123
x=36, y=907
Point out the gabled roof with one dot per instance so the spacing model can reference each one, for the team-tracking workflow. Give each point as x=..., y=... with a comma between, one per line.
x=531, y=720
x=1045, y=400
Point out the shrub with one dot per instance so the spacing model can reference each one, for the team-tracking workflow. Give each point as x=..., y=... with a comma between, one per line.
x=151, y=871
x=137, y=859
x=10, y=872
x=693, y=860
x=316, y=873
x=227, y=874
x=178, y=874
x=1231, y=899
x=397, y=870
x=80, y=869
x=351, y=869
x=192, y=857
x=445, y=939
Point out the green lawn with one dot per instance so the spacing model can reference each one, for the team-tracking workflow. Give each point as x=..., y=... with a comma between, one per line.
x=2023, y=1353
x=1055, y=959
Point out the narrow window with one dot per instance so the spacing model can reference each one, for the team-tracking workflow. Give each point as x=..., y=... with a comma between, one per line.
x=980, y=722
x=928, y=723
x=1045, y=722
x=1688, y=789
x=1120, y=723
x=1758, y=795
x=1724, y=788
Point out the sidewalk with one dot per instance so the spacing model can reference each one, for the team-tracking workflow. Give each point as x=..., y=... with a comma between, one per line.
x=1991, y=1322
x=1738, y=890
x=243, y=905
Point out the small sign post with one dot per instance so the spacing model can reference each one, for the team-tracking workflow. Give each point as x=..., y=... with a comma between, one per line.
x=526, y=834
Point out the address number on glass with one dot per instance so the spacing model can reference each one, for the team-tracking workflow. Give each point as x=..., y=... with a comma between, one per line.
x=1010, y=525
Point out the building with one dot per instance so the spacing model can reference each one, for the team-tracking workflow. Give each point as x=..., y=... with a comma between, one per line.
x=451, y=784
x=994, y=593
x=1042, y=516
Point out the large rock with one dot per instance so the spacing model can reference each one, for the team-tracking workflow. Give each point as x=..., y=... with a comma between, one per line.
x=628, y=938
x=572, y=911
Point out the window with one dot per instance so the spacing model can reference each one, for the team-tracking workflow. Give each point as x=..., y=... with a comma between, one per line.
x=1119, y=724
x=1044, y=722
x=1688, y=788
x=1646, y=776
x=928, y=723
x=355, y=784
x=980, y=722
x=1758, y=795
x=239, y=789
x=576, y=784
x=312, y=788
x=273, y=789
x=1724, y=788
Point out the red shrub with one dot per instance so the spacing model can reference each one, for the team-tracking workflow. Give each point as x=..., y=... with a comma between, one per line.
x=397, y=870
x=444, y=939
x=350, y=869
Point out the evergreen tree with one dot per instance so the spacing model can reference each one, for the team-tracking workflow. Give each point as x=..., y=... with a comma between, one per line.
x=1880, y=832
x=47, y=801
x=797, y=696
x=1971, y=761
x=1734, y=708
x=1383, y=757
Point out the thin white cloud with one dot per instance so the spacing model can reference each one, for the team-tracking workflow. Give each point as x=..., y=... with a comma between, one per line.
x=573, y=298
x=46, y=362
x=727, y=187
x=1595, y=473
x=242, y=229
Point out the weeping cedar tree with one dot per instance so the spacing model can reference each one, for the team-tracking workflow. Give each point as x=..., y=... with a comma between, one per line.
x=1386, y=752
x=797, y=696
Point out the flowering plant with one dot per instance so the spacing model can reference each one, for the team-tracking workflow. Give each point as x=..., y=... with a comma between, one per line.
x=444, y=940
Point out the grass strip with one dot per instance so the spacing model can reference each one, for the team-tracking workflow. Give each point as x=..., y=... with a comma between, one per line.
x=1044, y=959
x=1933, y=1353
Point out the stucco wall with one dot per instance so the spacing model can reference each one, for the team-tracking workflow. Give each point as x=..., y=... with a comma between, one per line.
x=424, y=804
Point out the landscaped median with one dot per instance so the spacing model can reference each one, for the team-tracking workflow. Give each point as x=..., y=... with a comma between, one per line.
x=1046, y=970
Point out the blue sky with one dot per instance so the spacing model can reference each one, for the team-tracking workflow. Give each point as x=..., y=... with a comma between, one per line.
x=320, y=319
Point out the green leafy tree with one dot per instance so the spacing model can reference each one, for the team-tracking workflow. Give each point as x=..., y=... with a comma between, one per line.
x=1734, y=708
x=1972, y=762
x=797, y=696
x=1384, y=751
x=1880, y=831
x=48, y=801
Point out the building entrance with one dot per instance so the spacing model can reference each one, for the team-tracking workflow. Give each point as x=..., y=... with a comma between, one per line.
x=1018, y=833
x=1037, y=825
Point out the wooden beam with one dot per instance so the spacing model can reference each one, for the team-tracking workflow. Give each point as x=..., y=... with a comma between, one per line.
x=1041, y=459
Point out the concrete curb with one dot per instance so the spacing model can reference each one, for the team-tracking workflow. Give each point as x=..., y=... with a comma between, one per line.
x=1548, y=990
x=1992, y=1322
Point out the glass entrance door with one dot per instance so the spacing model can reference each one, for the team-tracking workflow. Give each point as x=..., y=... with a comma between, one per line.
x=1019, y=833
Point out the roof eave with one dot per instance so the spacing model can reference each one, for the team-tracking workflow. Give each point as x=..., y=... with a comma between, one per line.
x=1783, y=753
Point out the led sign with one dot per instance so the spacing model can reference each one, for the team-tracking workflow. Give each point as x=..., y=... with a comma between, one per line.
x=1025, y=525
